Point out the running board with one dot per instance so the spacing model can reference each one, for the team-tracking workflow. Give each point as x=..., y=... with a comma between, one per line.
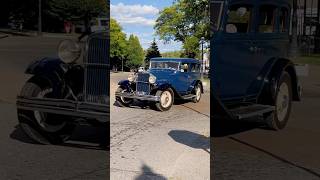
x=96, y=111
x=187, y=97
x=250, y=111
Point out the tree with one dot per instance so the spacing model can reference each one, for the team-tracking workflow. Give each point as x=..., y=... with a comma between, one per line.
x=74, y=10
x=183, y=19
x=152, y=52
x=118, y=44
x=173, y=54
x=191, y=47
x=135, y=53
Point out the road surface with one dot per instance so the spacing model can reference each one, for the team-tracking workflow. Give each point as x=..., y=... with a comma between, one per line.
x=245, y=151
x=147, y=144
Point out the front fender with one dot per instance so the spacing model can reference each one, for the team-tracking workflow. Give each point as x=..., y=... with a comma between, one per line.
x=45, y=66
x=196, y=83
x=125, y=83
x=49, y=70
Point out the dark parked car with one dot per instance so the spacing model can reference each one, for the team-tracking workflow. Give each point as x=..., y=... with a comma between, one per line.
x=252, y=75
x=66, y=91
x=166, y=80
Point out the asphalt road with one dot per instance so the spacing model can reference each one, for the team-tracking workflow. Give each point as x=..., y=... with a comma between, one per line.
x=247, y=151
x=147, y=144
x=20, y=158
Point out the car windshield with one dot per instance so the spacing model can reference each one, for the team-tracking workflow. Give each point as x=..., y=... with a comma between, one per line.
x=164, y=65
x=216, y=14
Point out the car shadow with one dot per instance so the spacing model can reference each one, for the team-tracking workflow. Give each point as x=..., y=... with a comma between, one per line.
x=84, y=137
x=137, y=105
x=147, y=173
x=222, y=127
x=191, y=139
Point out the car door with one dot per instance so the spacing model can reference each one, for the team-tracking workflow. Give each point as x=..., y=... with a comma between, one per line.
x=233, y=58
x=183, y=79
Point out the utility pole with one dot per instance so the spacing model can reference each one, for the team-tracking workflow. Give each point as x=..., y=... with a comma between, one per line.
x=202, y=68
x=40, y=19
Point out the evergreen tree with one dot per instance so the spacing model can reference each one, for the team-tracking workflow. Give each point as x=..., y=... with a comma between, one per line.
x=152, y=52
x=135, y=53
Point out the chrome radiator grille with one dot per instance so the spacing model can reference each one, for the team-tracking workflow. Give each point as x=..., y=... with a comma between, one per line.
x=143, y=86
x=96, y=62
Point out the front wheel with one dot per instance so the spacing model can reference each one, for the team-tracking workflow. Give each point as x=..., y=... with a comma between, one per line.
x=122, y=101
x=43, y=128
x=283, y=102
x=166, y=100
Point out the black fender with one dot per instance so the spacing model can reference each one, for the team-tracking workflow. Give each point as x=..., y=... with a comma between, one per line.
x=125, y=83
x=49, y=70
x=196, y=83
x=164, y=85
x=275, y=68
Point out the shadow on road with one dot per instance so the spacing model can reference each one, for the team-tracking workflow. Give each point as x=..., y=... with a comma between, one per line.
x=147, y=173
x=225, y=127
x=191, y=139
x=84, y=137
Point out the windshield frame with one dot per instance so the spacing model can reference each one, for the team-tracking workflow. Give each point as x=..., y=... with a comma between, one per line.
x=216, y=26
x=178, y=69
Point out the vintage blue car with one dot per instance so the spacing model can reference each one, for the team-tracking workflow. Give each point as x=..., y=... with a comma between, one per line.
x=167, y=79
x=252, y=74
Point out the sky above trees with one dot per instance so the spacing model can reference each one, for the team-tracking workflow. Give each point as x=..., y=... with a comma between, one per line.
x=138, y=17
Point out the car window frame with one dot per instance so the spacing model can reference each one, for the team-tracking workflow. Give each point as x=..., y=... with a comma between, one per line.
x=276, y=18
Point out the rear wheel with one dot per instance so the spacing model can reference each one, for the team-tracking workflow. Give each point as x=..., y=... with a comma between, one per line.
x=166, y=100
x=43, y=128
x=122, y=101
x=197, y=92
x=283, y=102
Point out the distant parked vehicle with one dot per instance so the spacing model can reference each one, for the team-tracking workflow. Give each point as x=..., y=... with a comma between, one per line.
x=166, y=80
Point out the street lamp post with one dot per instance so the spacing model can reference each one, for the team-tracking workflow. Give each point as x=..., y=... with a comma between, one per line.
x=202, y=59
x=40, y=19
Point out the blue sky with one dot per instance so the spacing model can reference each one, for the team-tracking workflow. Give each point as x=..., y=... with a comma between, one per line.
x=138, y=17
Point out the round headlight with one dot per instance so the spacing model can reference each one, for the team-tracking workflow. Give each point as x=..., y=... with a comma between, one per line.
x=152, y=79
x=132, y=77
x=69, y=51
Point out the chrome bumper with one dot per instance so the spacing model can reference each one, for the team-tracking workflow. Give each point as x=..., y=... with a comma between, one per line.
x=139, y=97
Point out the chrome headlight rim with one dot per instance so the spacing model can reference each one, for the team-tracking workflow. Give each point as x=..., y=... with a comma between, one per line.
x=132, y=78
x=69, y=51
x=152, y=79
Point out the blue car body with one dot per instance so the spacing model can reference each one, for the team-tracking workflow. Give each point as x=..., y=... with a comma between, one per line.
x=249, y=56
x=182, y=83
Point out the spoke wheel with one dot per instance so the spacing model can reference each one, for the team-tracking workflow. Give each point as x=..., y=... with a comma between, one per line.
x=283, y=102
x=166, y=100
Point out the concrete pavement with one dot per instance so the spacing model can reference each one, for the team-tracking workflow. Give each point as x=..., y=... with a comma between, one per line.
x=146, y=144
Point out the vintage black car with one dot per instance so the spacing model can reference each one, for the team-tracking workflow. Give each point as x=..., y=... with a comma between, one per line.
x=252, y=74
x=166, y=80
x=66, y=91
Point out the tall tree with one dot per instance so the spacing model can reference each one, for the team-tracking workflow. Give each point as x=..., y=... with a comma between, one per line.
x=191, y=47
x=83, y=10
x=118, y=44
x=135, y=52
x=152, y=52
x=183, y=19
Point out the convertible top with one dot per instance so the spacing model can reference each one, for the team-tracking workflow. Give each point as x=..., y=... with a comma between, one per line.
x=183, y=60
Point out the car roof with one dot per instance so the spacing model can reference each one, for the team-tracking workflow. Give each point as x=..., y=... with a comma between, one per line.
x=183, y=60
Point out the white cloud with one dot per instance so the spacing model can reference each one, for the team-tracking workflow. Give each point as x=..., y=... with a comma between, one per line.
x=134, y=14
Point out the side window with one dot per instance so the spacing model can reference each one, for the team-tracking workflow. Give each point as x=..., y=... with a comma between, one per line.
x=284, y=20
x=239, y=19
x=267, y=19
x=184, y=67
x=193, y=67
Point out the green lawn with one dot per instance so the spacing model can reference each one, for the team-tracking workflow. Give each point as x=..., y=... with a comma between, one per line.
x=313, y=59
